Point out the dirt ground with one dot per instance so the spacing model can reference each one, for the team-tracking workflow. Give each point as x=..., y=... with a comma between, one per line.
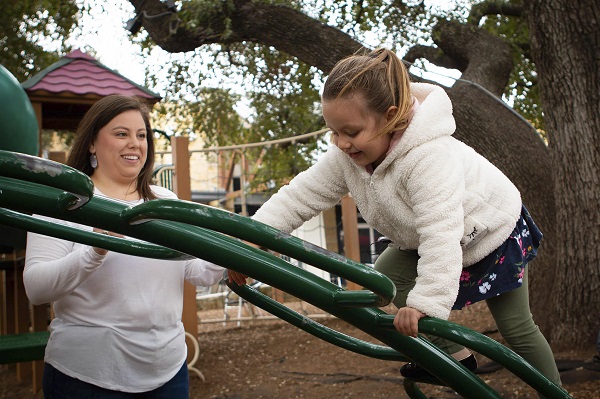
x=273, y=359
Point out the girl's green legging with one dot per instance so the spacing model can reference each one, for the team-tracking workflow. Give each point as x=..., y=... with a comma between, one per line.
x=510, y=311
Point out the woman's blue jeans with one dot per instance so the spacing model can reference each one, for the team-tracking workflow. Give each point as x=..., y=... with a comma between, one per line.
x=57, y=385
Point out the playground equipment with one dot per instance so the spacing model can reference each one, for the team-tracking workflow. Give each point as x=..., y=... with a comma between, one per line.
x=18, y=132
x=173, y=229
x=18, y=125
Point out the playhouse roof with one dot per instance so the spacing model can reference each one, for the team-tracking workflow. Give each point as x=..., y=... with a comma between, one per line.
x=79, y=74
x=69, y=87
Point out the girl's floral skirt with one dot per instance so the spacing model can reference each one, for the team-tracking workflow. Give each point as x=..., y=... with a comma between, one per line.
x=502, y=270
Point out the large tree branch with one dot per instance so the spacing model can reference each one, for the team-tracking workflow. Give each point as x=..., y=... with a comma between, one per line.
x=482, y=58
x=493, y=7
x=436, y=56
x=279, y=26
x=485, y=59
x=499, y=7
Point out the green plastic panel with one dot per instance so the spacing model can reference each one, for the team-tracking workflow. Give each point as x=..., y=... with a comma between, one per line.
x=18, y=124
x=24, y=347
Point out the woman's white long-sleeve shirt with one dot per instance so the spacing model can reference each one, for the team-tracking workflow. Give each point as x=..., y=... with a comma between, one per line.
x=117, y=317
x=431, y=193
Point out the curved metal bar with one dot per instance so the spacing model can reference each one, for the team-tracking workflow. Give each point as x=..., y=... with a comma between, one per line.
x=234, y=254
x=496, y=351
x=135, y=248
x=487, y=347
x=190, y=231
x=104, y=213
x=381, y=289
x=412, y=390
x=54, y=174
x=440, y=364
x=317, y=329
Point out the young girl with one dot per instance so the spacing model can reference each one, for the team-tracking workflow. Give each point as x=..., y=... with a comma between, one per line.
x=459, y=231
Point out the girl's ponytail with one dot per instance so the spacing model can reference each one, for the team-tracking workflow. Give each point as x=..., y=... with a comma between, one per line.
x=381, y=77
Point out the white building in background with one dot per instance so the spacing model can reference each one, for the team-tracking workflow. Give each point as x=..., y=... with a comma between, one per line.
x=313, y=231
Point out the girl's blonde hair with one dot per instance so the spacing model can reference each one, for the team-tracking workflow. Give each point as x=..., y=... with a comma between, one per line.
x=381, y=77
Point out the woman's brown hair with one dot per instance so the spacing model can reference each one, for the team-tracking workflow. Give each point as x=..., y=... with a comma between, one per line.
x=98, y=116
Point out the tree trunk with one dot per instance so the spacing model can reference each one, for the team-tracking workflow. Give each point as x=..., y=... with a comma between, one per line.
x=490, y=126
x=279, y=26
x=565, y=43
x=564, y=176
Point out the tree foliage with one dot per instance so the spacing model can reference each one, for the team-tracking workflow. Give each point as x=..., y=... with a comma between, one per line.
x=282, y=87
x=26, y=29
x=532, y=53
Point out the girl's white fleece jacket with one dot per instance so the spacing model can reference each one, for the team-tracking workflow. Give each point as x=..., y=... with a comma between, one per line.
x=432, y=193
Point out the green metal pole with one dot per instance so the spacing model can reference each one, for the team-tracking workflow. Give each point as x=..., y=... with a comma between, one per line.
x=176, y=229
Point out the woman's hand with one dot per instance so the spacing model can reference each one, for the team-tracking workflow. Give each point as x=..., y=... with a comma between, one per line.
x=236, y=277
x=102, y=251
x=407, y=321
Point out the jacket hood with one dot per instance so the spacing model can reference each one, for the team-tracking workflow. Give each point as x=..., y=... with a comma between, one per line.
x=432, y=119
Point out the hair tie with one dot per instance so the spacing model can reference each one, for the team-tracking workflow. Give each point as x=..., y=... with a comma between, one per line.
x=376, y=53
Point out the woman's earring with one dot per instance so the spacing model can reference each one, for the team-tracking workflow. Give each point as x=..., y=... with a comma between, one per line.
x=93, y=161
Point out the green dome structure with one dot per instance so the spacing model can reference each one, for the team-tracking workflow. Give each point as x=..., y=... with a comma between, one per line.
x=18, y=125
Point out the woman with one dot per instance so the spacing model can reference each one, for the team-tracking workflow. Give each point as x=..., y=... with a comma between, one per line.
x=117, y=330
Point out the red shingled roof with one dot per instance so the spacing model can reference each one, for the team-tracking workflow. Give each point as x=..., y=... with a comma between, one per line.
x=80, y=74
x=65, y=90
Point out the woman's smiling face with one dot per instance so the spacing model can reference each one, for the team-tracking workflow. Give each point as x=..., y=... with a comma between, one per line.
x=355, y=129
x=121, y=147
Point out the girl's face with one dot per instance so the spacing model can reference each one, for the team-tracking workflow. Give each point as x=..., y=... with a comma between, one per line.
x=121, y=147
x=355, y=129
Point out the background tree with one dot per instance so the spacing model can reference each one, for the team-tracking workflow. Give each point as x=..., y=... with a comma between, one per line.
x=503, y=47
x=283, y=105
x=565, y=47
x=33, y=36
x=26, y=25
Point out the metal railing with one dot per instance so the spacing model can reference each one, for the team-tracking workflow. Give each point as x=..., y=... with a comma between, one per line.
x=163, y=176
x=173, y=229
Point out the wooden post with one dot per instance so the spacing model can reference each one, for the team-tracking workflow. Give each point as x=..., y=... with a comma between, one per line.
x=181, y=162
x=37, y=108
x=10, y=271
x=182, y=187
x=350, y=228
x=39, y=322
x=57, y=156
x=21, y=304
x=278, y=295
